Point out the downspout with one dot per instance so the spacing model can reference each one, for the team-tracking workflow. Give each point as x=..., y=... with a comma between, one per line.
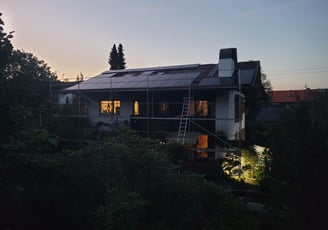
x=240, y=122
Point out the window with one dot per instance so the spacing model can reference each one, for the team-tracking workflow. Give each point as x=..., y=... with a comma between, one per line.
x=191, y=111
x=201, y=108
x=110, y=107
x=164, y=107
x=136, y=111
x=202, y=143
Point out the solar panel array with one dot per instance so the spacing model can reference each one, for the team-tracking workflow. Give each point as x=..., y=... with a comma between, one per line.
x=141, y=81
x=160, y=78
x=210, y=81
x=246, y=76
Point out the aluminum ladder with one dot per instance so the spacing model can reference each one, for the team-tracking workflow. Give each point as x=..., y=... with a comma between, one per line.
x=183, y=120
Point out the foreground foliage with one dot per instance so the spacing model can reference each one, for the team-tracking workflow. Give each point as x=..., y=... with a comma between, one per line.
x=126, y=182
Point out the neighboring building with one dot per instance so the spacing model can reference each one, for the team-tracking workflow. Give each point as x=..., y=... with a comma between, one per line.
x=292, y=96
x=191, y=104
x=282, y=99
x=263, y=118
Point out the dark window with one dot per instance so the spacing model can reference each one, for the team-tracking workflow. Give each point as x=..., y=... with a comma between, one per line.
x=164, y=107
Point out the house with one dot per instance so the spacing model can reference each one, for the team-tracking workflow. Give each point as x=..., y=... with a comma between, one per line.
x=282, y=99
x=197, y=104
x=292, y=96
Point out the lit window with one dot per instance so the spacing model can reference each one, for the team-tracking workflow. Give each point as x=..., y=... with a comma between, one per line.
x=191, y=111
x=136, y=108
x=164, y=107
x=202, y=143
x=110, y=107
x=202, y=108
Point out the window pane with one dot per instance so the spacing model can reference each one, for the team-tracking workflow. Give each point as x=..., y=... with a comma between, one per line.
x=136, y=108
x=164, y=107
x=107, y=107
x=202, y=108
x=117, y=107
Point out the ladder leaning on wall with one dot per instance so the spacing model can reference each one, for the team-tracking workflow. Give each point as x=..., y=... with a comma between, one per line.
x=184, y=118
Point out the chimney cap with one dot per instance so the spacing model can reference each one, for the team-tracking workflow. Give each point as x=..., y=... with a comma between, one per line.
x=228, y=53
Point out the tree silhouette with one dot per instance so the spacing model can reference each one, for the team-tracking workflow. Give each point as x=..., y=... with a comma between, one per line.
x=299, y=169
x=116, y=58
x=121, y=58
x=6, y=48
x=113, y=58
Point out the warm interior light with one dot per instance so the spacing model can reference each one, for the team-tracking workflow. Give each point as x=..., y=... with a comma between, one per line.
x=107, y=107
x=202, y=108
x=136, y=108
x=202, y=143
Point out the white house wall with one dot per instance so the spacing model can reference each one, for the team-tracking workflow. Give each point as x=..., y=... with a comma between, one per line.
x=225, y=115
x=236, y=126
x=221, y=111
x=95, y=116
x=224, y=110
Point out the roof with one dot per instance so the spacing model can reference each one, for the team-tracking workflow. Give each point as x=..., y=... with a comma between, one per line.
x=166, y=77
x=292, y=96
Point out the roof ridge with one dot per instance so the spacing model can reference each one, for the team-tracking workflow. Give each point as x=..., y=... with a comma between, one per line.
x=187, y=66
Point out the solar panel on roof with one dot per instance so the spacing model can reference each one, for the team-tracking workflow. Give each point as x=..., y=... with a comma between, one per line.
x=106, y=81
x=246, y=76
x=209, y=81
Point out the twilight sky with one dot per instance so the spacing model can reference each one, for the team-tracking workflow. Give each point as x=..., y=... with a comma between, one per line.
x=289, y=37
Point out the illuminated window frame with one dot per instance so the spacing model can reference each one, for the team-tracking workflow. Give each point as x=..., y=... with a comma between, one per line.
x=201, y=108
x=164, y=107
x=136, y=108
x=110, y=107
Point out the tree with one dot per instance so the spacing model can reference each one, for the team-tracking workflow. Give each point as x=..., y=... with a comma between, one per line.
x=113, y=58
x=266, y=83
x=116, y=58
x=5, y=48
x=5, y=55
x=121, y=58
x=300, y=165
x=25, y=92
x=134, y=186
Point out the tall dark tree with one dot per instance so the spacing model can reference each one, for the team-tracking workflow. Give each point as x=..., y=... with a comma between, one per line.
x=121, y=58
x=6, y=48
x=25, y=92
x=113, y=58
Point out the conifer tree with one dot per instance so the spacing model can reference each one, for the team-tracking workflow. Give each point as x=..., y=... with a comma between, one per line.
x=113, y=58
x=121, y=58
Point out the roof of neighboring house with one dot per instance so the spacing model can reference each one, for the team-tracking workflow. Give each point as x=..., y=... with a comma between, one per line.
x=292, y=96
x=168, y=77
